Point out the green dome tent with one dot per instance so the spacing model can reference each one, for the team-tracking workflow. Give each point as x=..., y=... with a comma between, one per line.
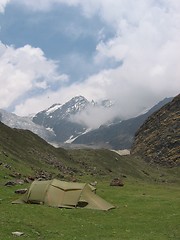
x=58, y=193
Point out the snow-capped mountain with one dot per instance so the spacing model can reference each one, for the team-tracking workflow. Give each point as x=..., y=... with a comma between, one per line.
x=61, y=117
x=15, y=121
x=65, y=123
x=59, y=112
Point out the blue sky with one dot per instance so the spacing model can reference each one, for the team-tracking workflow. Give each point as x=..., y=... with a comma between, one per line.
x=62, y=34
x=53, y=50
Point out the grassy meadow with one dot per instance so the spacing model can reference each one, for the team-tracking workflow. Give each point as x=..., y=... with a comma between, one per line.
x=143, y=210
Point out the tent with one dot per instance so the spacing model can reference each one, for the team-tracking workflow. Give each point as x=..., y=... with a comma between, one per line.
x=58, y=193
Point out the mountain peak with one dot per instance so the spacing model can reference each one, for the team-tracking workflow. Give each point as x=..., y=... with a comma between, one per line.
x=78, y=98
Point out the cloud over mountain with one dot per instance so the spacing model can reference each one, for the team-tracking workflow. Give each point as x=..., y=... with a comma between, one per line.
x=143, y=47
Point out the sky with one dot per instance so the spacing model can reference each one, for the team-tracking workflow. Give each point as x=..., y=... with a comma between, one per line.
x=124, y=50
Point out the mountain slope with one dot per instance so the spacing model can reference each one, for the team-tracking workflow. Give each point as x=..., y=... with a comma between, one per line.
x=27, y=153
x=158, y=139
x=119, y=135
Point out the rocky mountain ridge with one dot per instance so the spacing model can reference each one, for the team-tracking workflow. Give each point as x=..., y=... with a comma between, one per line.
x=158, y=139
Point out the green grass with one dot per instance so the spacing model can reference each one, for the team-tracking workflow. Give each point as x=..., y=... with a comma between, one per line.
x=143, y=211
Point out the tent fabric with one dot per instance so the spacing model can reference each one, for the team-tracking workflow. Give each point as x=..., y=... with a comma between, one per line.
x=58, y=193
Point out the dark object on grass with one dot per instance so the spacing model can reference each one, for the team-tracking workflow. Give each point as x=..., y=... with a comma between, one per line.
x=21, y=191
x=117, y=182
x=10, y=183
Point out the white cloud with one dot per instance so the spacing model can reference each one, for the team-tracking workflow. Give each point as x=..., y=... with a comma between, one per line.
x=147, y=40
x=3, y=5
x=88, y=118
x=24, y=70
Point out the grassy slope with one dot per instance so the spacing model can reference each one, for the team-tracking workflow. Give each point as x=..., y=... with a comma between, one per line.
x=147, y=207
x=105, y=164
x=27, y=153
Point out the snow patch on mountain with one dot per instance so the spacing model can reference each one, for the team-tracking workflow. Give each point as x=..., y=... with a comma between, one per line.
x=26, y=123
x=73, y=138
x=53, y=108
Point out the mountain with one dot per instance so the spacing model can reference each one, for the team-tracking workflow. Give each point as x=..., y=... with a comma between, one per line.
x=62, y=124
x=57, y=118
x=15, y=121
x=24, y=156
x=158, y=139
x=119, y=135
x=60, y=118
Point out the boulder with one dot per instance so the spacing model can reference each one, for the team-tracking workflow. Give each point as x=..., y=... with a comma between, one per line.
x=18, y=234
x=117, y=182
x=10, y=183
x=21, y=191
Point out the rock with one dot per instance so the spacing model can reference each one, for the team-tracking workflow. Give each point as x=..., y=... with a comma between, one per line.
x=117, y=182
x=27, y=180
x=10, y=183
x=93, y=183
x=15, y=175
x=21, y=191
x=18, y=234
x=31, y=178
x=19, y=181
x=73, y=179
x=5, y=154
x=124, y=176
x=15, y=182
x=12, y=175
x=7, y=166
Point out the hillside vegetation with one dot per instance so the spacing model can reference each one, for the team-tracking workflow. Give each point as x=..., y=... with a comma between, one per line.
x=27, y=154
